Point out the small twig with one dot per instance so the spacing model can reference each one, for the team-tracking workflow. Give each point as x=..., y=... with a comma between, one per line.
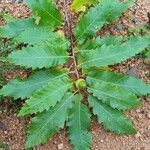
x=71, y=38
x=75, y=63
x=71, y=66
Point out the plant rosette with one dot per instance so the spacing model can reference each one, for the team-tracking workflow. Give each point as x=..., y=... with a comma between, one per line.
x=52, y=91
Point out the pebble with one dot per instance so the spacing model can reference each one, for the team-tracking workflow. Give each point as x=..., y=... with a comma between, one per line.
x=135, y=21
x=18, y=1
x=3, y=126
x=107, y=140
x=5, y=132
x=140, y=116
x=132, y=71
x=138, y=135
x=148, y=115
x=60, y=146
x=143, y=148
x=119, y=26
x=4, y=110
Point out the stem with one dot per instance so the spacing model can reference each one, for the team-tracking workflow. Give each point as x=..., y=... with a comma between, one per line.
x=67, y=19
x=75, y=63
x=71, y=66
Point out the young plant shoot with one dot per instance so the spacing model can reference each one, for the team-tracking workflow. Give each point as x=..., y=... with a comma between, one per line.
x=60, y=94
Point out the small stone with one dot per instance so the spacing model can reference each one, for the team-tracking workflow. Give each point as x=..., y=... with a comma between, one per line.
x=137, y=135
x=2, y=126
x=142, y=111
x=148, y=115
x=119, y=27
x=135, y=21
x=5, y=132
x=60, y=146
x=107, y=139
x=101, y=141
x=142, y=148
x=140, y=116
x=132, y=71
x=4, y=110
x=138, y=110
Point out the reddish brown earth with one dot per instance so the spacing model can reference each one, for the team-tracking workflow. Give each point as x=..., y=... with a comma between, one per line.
x=12, y=128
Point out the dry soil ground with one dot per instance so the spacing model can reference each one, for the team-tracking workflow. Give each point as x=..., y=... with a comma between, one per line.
x=12, y=128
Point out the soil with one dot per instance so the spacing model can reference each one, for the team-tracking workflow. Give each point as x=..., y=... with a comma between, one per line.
x=12, y=128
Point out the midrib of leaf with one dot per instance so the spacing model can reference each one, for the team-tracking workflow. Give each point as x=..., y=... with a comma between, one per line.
x=59, y=46
x=111, y=96
x=100, y=58
x=79, y=124
x=50, y=94
x=44, y=57
x=115, y=84
x=53, y=116
x=114, y=119
x=123, y=52
x=85, y=50
x=32, y=85
x=49, y=42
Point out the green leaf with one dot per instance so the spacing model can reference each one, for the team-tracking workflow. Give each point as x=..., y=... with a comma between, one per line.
x=79, y=126
x=20, y=88
x=2, y=80
x=113, y=54
x=45, y=12
x=129, y=83
x=98, y=42
x=3, y=59
x=113, y=95
x=46, y=124
x=148, y=53
x=40, y=35
x=80, y=5
x=15, y=27
x=46, y=97
x=40, y=56
x=104, y=13
x=91, y=45
x=112, y=119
